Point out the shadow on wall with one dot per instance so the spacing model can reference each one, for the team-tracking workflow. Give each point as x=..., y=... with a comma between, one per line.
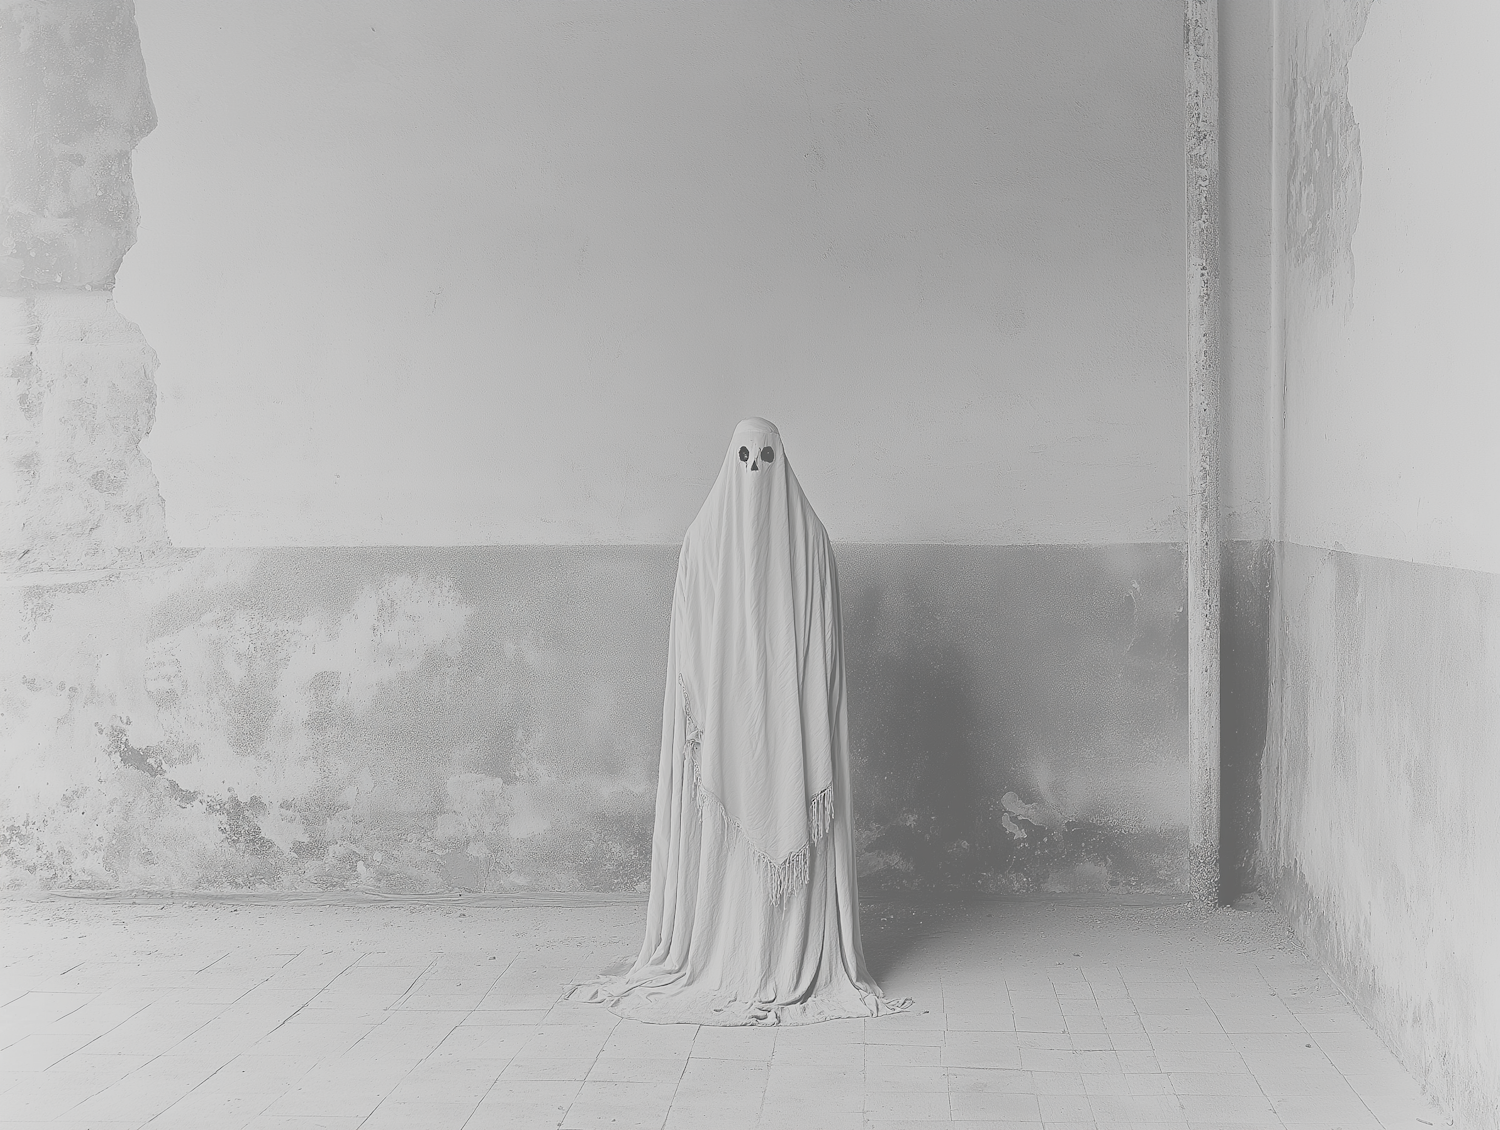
x=1245, y=674
x=488, y=719
x=1020, y=723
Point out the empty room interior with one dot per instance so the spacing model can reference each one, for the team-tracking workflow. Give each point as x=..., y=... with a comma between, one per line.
x=403, y=687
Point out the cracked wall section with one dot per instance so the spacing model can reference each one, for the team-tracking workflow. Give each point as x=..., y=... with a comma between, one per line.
x=77, y=379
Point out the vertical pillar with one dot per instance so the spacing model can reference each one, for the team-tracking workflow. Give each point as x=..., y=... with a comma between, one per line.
x=1201, y=64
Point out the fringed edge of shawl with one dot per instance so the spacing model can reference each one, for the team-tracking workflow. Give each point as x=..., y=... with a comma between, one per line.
x=783, y=876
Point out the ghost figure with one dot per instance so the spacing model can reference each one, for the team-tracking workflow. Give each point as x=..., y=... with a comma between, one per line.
x=753, y=915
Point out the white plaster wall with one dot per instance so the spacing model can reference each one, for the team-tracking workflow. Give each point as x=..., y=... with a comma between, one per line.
x=467, y=272
x=1393, y=377
x=1379, y=794
x=1380, y=785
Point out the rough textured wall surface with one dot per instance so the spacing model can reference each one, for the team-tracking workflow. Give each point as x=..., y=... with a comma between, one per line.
x=1323, y=168
x=1380, y=795
x=489, y=719
x=76, y=399
x=73, y=104
x=77, y=389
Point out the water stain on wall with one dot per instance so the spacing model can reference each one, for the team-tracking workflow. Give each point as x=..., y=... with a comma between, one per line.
x=1379, y=795
x=1324, y=165
x=489, y=719
x=1020, y=723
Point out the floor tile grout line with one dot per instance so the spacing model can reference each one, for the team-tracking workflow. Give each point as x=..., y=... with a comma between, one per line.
x=1205, y=991
x=760, y=1107
x=101, y=1036
x=415, y=981
x=509, y=1060
x=211, y=964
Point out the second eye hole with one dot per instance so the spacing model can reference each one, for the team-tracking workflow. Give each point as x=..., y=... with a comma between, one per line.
x=766, y=455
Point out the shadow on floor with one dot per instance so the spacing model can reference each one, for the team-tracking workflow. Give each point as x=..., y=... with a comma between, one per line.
x=900, y=930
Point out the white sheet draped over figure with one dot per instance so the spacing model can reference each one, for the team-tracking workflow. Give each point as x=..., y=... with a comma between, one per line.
x=754, y=910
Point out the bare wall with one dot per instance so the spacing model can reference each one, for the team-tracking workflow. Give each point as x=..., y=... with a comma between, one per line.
x=472, y=273
x=1380, y=782
x=1392, y=381
x=1250, y=395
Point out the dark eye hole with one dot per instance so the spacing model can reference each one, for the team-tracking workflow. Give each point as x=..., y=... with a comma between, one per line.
x=744, y=454
x=767, y=455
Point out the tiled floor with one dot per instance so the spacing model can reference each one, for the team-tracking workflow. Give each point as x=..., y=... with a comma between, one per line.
x=1048, y=1012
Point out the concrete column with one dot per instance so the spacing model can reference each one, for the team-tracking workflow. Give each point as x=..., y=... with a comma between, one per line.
x=77, y=380
x=1201, y=63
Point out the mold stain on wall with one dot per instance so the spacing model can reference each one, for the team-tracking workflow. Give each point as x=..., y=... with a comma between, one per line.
x=1324, y=166
x=489, y=719
x=1020, y=724
x=244, y=719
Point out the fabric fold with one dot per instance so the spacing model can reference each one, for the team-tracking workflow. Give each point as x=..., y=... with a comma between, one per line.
x=780, y=877
x=753, y=915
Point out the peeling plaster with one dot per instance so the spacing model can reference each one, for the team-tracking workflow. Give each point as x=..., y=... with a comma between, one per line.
x=242, y=719
x=1324, y=166
x=77, y=387
x=489, y=719
x=77, y=397
x=74, y=103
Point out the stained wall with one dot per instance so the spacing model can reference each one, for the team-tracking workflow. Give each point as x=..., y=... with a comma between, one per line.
x=454, y=304
x=1250, y=429
x=489, y=718
x=1380, y=779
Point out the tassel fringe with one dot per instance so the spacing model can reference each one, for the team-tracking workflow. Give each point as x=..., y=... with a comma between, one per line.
x=781, y=877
